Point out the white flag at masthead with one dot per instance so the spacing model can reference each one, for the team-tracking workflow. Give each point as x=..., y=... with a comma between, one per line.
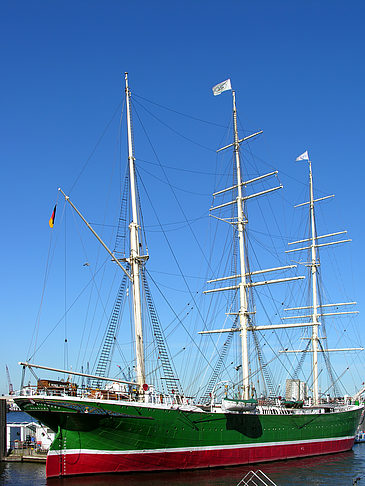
x=224, y=86
x=304, y=156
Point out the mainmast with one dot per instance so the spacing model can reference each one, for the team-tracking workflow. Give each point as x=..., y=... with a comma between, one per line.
x=135, y=259
x=244, y=277
x=243, y=300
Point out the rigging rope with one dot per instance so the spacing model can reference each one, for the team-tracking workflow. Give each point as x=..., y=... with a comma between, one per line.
x=95, y=146
x=175, y=131
x=179, y=112
x=45, y=278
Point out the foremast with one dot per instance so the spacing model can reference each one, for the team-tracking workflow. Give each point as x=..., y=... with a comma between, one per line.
x=135, y=260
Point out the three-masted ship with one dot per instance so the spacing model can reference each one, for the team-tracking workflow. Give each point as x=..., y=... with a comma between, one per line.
x=131, y=426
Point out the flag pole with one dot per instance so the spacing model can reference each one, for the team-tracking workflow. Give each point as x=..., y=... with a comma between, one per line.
x=114, y=258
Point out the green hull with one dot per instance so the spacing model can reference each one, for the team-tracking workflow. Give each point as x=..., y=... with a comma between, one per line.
x=89, y=427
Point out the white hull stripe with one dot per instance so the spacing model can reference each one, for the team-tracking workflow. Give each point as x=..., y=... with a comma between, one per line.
x=197, y=449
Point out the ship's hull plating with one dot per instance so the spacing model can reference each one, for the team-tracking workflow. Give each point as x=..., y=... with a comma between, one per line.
x=97, y=436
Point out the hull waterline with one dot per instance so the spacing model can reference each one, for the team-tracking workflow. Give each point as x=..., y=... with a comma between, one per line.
x=86, y=462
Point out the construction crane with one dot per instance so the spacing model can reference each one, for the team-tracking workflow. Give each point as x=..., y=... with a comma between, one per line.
x=11, y=389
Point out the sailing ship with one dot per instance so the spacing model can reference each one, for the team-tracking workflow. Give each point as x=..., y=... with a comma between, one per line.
x=133, y=425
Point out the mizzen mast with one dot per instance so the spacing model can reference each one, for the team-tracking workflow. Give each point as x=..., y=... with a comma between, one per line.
x=313, y=270
x=316, y=308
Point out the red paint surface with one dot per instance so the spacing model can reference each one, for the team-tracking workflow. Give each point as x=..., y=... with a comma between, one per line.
x=73, y=464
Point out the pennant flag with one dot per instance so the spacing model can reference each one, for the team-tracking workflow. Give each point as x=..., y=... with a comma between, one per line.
x=224, y=86
x=304, y=156
x=51, y=221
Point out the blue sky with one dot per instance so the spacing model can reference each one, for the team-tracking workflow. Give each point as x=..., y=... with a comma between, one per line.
x=299, y=74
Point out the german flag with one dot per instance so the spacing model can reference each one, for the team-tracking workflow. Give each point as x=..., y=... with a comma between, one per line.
x=51, y=221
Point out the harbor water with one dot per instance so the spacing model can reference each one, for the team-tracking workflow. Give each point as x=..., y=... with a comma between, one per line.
x=339, y=469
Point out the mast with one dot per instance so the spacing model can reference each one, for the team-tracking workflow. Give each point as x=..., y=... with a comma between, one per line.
x=313, y=269
x=316, y=309
x=135, y=260
x=243, y=302
x=244, y=276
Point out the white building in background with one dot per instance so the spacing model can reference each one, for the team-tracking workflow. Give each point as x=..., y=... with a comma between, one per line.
x=296, y=390
x=31, y=433
x=22, y=430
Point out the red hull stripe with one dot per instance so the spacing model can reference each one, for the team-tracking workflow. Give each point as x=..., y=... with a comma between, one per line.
x=72, y=462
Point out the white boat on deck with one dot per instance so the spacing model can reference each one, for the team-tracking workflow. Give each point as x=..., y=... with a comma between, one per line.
x=229, y=404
